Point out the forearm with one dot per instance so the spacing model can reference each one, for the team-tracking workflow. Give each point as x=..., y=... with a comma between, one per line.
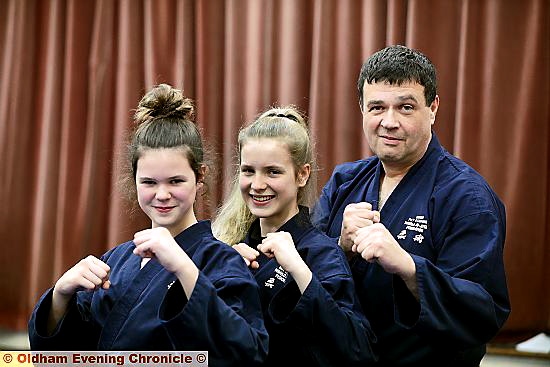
x=408, y=274
x=57, y=310
x=412, y=286
x=188, y=275
x=302, y=277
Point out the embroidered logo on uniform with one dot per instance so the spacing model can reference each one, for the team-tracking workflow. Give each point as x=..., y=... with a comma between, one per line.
x=171, y=284
x=402, y=235
x=280, y=274
x=417, y=224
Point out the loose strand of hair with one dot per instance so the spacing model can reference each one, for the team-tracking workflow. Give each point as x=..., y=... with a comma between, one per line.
x=233, y=218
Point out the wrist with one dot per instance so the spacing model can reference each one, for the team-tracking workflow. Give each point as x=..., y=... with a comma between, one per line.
x=408, y=275
x=60, y=299
x=186, y=268
x=344, y=246
x=408, y=271
x=302, y=277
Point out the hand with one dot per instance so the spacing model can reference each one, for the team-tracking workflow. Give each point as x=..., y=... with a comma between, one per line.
x=159, y=243
x=249, y=254
x=281, y=246
x=89, y=274
x=356, y=216
x=376, y=243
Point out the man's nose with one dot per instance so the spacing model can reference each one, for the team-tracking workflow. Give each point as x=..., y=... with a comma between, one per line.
x=390, y=120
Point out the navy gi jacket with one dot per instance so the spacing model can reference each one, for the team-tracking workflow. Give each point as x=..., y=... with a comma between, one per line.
x=323, y=327
x=451, y=222
x=147, y=309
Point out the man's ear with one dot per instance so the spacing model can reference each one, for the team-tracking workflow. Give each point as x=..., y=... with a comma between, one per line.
x=433, y=109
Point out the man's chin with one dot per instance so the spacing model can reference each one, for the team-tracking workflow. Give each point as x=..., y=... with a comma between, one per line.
x=388, y=157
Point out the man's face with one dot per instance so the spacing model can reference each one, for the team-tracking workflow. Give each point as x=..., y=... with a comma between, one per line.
x=397, y=123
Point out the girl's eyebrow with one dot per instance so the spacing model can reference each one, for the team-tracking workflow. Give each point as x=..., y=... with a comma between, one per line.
x=168, y=178
x=271, y=166
x=274, y=166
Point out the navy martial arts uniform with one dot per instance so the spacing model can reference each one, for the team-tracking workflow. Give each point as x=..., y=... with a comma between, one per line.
x=323, y=327
x=447, y=217
x=147, y=309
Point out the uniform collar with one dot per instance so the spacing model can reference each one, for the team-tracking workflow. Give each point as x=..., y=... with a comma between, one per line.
x=296, y=226
x=192, y=235
x=433, y=152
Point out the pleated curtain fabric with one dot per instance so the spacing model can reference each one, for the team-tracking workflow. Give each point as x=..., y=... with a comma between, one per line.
x=73, y=71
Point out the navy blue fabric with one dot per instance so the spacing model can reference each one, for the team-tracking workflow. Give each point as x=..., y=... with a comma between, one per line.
x=323, y=327
x=147, y=309
x=451, y=222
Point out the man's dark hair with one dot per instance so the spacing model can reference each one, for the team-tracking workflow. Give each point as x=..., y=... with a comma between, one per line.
x=397, y=65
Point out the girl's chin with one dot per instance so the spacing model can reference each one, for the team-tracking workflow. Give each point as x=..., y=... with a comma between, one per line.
x=260, y=211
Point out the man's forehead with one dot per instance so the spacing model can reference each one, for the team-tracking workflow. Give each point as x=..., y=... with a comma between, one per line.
x=409, y=90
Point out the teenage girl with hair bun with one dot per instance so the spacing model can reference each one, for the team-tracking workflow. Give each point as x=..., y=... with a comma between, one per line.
x=174, y=286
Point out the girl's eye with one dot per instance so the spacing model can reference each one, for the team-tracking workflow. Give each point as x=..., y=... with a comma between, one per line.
x=176, y=181
x=147, y=182
x=247, y=171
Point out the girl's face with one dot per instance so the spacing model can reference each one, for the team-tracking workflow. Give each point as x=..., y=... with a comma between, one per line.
x=166, y=188
x=268, y=181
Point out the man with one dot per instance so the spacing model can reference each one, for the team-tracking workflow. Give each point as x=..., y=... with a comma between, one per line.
x=424, y=232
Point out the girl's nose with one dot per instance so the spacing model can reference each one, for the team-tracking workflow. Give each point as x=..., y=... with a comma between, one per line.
x=258, y=183
x=163, y=193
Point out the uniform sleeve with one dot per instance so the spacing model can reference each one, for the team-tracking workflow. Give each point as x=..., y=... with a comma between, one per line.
x=225, y=318
x=73, y=332
x=330, y=310
x=325, y=209
x=463, y=295
x=77, y=330
x=321, y=211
